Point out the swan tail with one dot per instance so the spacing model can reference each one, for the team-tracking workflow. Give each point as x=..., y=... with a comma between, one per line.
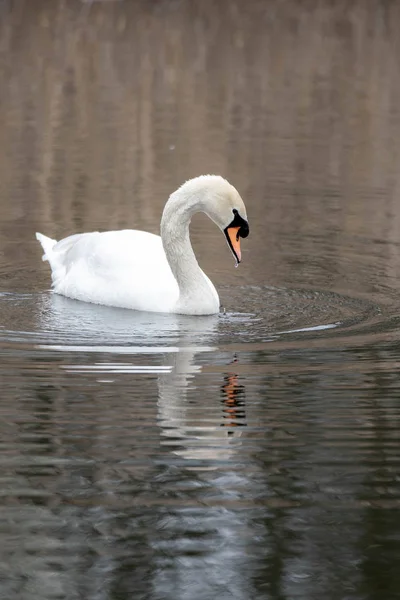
x=51, y=254
x=47, y=245
x=57, y=253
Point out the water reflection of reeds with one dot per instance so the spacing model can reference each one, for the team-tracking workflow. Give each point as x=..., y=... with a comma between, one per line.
x=136, y=96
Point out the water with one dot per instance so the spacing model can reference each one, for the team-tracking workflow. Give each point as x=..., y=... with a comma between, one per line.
x=249, y=455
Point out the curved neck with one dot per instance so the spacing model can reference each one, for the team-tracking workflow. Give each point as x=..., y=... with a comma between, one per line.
x=194, y=288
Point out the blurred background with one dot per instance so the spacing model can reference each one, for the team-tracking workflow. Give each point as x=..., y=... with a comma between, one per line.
x=253, y=456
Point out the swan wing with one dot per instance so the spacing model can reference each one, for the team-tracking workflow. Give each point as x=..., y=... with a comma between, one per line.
x=125, y=268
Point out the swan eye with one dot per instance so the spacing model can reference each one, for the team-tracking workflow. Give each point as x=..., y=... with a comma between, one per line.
x=242, y=224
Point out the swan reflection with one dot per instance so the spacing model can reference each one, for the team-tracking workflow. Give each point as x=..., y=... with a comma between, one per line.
x=233, y=401
x=65, y=321
x=197, y=429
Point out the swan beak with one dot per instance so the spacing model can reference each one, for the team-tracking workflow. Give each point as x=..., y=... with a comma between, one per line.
x=233, y=239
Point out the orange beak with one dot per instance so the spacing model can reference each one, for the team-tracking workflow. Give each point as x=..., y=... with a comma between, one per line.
x=232, y=236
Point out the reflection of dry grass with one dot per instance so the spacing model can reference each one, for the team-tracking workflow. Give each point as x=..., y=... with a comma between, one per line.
x=124, y=100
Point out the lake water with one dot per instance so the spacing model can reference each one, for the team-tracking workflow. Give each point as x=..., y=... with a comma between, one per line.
x=251, y=455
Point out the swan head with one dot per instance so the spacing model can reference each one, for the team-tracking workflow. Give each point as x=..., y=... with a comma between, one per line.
x=220, y=201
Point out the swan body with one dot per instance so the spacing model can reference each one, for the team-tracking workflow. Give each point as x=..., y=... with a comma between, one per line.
x=139, y=270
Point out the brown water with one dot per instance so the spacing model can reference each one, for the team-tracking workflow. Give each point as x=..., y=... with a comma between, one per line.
x=251, y=455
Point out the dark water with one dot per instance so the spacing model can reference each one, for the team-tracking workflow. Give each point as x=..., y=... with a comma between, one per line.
x=250, y=455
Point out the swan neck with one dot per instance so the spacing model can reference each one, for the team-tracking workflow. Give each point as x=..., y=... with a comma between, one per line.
x=175, y=237
x=194, y=288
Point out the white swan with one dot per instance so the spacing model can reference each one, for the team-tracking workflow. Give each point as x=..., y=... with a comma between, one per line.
x=139, y=270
